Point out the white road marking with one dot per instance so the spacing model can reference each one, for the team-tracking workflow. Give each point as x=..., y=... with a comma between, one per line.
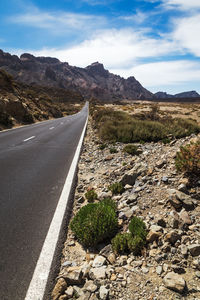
x=39, y=280
x=30, y=138
x=51, y=128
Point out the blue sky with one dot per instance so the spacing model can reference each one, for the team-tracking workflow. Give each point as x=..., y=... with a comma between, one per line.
x=155, y=41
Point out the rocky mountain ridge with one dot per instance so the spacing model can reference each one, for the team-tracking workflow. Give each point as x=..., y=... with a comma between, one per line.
x=189, y=94
x=92, y=82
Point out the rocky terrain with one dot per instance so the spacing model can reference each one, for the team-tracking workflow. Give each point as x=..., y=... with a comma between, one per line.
x=92, y=82
x=169, y=267
x=24, y=104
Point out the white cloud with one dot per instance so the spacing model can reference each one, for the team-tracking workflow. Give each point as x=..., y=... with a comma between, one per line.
x=182, y=4
x=164, y=73
x=58, y=22
x=138, y=18
x=114, y=48
x=186, y=33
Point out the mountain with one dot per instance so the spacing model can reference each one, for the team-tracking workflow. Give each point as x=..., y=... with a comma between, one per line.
x=190, y=94
x=23, y=104
x=92, y=82
x=184, y=95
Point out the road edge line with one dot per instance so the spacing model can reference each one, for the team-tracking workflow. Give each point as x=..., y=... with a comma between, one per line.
x=40, y=276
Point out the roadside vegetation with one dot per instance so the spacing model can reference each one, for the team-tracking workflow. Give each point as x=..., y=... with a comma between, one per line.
x=119, y=126
x=188, y=161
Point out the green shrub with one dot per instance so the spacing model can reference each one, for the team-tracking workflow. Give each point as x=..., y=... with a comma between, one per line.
x=113, y=150
x=188, y=159
x=131, y=149
x=135, y=244
x=91, y=195
x=116, y=188
x=94, y=223
x=109, y=202
x=120, y=243
x=103, y=146
x=137, y=228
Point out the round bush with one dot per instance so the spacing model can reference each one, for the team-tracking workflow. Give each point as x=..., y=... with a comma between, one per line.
x=94, y=223
x=137, y=228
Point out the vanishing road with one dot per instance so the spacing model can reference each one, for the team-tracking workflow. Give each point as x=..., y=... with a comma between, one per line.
x=34, y=163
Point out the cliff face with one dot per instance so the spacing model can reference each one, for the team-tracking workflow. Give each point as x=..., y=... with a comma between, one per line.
x=92, y=81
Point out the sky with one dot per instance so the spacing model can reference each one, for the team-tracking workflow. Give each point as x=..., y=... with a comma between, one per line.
x=156, y=41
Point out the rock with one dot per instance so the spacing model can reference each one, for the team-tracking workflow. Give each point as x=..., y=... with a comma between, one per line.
x=59, y=288
x=97, y=273
x=68, y=263
x=106, y=251
x=161, y=222
x=184, y=249
x=185, y=217
x=174, y=282
x=153, y=236
x=132, y=198
x=159, y=270
x=69, y=292
x=104, y=195
x=194, y=249
x=74, y=276
x=111, y=258
x=178, y=269
x=145, y=270
x=99, y=261
x=90, y=286
x=63, y=297
x=113, y=277
x=103, y=292
x=131, y=176
x=156, y=228
x=172, y=237
x=187, y=201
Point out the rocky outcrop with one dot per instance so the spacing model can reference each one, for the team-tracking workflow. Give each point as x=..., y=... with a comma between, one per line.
x=92, y=82
x=183, y=95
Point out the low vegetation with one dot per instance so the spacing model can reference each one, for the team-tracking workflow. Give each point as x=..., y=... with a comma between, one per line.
x=116, y=188
x=131, y=149
x=188, y=160
x=91, y=195
x=133, y=241
x=119, y=126
x=95, y=222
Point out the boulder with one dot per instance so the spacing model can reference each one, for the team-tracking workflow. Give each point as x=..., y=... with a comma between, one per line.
x=174, y=282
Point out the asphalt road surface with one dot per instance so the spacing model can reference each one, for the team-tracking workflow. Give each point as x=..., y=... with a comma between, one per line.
x=34, y=161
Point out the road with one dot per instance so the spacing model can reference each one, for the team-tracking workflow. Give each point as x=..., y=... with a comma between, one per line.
x=34, y=162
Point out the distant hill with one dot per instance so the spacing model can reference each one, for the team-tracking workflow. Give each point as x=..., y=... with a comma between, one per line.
x=189, y=94
x=91, y=82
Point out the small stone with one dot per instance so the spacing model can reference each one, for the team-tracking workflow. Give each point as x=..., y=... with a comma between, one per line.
x=161, y=222
x=111, y=258
x=99, y=261
x=194, y=249
x=159, y=270
x=71, y=243
x=178, y=269
x=174, y=282
x=59, y=288
x=185, y=217
x=74, y=276
x=197, y=273
x=153, y=236
x=145, y=270
x=103, y=292
x=90, y=286
x=184, y=249
x=172, y=237
x=69, y=264
x=165, y=179
x=98, y=273
x=156, y=228
x=113, y=277
x=69, y=292
x=63, y=297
